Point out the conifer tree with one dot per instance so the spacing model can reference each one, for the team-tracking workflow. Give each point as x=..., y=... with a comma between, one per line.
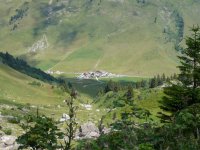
x=143, y=83
x=109, y=86
x=138, y=85
x=153, y=82
x=129, y=93
x=163, y=77
x=185, y=91
x=159, y=80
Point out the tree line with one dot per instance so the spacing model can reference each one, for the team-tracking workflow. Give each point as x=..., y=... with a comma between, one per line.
x=156, y=81
x=22, y=66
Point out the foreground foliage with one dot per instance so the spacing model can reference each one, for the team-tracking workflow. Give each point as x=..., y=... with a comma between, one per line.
x=181, y=101
x=182, y=134
x=185, y=90
x=41, y=133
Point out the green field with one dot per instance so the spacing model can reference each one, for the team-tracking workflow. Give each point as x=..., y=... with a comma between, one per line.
x=18, y=90
x=124, y=37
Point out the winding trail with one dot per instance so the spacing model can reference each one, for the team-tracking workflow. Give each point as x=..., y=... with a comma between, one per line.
x=70, y=51
x=96, y=65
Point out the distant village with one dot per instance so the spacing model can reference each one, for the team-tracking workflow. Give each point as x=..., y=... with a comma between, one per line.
x=97, y=74
x=89, y=74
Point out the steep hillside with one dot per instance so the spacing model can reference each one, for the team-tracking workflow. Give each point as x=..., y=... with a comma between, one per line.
x=20, y=88
x=134, y=37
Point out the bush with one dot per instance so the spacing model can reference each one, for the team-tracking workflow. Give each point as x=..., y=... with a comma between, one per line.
x=7, y=131
x=41, y=133
x=14, y=120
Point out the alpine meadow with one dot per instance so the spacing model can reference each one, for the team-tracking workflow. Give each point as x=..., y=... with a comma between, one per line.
x=99, y=74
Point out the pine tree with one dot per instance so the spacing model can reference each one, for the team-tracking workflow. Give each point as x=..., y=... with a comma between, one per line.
x=143, y=83
x=109, y=87
x=153, y=82
x=185, y=91
x=138, y=85
x=163, y=77
x=159, y=80
x=129, y=93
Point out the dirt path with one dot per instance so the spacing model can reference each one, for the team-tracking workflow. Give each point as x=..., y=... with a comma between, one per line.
x=65, y=57
x=96, y=65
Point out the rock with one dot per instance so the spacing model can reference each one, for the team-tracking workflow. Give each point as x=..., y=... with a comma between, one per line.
x=87, y=106
x=64, y=117
x=87, y=131
x=7, y=142
x=8, y=139
x=11, y=147
x=54, y=72
x=94, y=134
x=39, y=45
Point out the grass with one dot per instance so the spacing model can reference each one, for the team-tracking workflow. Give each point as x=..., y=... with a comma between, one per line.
x=119, y=37
x=143, y=98
x=20, y=91
x=150, y=101
x=91, y=87
x=17, y=90
x=16, y=86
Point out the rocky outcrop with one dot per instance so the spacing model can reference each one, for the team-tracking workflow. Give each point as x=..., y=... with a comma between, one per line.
x=54, y=72
x=39, y=45
x=64, y=117
x=87, y=106
x=7, y=142
x=88, y=131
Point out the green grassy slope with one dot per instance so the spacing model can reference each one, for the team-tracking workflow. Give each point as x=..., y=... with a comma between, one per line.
x=120, y=36
x=16, y=86
x=18, y=90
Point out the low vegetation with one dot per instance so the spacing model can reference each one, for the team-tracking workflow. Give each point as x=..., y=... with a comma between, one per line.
x=160, y=112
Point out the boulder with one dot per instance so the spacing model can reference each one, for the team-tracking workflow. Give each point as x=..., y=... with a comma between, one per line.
x=64, y=117
x=8, y=139
x=87, y=106
x=7, y=142
x=87, y=131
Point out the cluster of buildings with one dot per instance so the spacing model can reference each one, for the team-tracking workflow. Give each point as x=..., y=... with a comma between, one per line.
x=96, y=74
